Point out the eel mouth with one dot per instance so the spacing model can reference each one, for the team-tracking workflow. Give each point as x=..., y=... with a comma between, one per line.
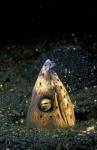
x=59, y=104
x=49, y=64
x=52, y=64
x=62, y=112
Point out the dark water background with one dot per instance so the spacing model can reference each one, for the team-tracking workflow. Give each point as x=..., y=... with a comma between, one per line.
x=23, y=21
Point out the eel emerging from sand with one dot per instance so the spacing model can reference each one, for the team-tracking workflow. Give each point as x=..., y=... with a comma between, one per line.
x=50, y=106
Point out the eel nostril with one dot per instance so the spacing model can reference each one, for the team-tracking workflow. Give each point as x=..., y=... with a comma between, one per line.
x=60, y=87
x=40, y=116
x=40, y=83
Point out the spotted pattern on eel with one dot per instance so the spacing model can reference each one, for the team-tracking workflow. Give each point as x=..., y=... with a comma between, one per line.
x=51, y=106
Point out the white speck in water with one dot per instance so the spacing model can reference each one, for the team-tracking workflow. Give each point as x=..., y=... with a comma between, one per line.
x=83, y=57
x=94, y=67
x=79, y=78
x=92, y=73
x=7, y=149
x=95, y=100
x=69, y=72
x=74, y=48
x=1, y=85
x=16, y=122
x=66, y=70
x=86, y=88
x=36, y=49
x=19, y=62
x=72, y=34
x=22, y=113
x=67, y=86
x=94, y=86
x=90, y=128
x=13, y=132
x=26, y=102
x=11, y=90
x=21, y=121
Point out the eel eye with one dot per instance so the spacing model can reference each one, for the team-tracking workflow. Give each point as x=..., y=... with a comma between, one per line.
x=45, y=104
